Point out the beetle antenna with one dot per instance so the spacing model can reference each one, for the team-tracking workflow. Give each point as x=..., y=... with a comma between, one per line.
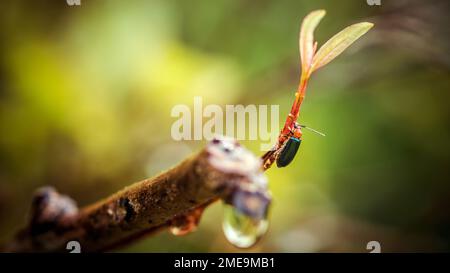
x=312, y=130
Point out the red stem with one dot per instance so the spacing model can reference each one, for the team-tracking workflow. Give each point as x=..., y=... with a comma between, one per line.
x=295, y=110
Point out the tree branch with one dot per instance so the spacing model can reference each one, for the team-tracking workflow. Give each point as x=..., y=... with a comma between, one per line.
x=222, y=170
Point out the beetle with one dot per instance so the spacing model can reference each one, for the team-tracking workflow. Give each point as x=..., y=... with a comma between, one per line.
x=290, y=148
x=288, y=152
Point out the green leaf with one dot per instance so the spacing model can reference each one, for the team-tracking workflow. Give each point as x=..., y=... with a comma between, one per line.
x=338, y=43
x=306, y=41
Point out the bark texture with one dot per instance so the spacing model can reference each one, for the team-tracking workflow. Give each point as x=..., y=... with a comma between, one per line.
x=222, y=170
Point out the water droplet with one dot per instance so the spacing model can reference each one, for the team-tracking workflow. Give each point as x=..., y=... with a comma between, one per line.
x=240, y=229
x=186, y=223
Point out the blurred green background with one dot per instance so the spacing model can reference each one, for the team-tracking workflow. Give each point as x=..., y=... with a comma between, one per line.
x=86, y=93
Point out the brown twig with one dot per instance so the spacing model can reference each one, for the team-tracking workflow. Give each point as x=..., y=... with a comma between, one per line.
x=222, y=170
